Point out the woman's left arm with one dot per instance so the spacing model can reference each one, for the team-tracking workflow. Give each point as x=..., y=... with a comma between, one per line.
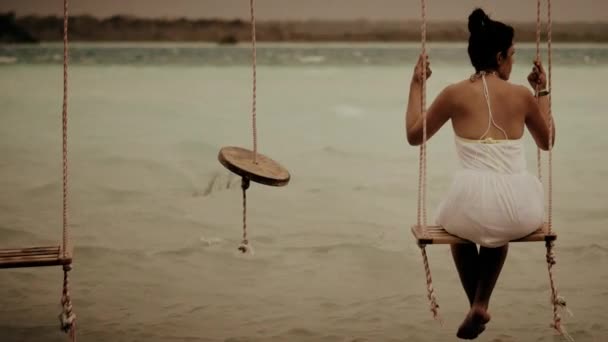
x=437, y=114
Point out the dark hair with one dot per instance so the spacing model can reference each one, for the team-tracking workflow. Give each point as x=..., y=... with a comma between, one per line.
x=488, y=37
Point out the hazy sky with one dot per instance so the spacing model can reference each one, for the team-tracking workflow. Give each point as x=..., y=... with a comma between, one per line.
x=512, y=10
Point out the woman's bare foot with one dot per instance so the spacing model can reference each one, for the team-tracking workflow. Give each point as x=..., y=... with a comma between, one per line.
x=474, y=324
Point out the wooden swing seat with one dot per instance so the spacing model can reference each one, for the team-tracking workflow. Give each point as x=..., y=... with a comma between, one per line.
x=34, y=257
x=436, y=235
x=266, y=171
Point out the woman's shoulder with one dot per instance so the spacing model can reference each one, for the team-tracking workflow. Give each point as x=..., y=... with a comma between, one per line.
x=514, y=90
x=460, y=87
x=465, y=88
x=457, y=90
x=521, y=91
x=460, y=84
x=519, y=88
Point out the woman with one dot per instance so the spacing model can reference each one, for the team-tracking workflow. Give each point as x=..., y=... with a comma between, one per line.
x=493, y=198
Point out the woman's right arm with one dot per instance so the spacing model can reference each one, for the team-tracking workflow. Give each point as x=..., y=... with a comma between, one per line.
x=538, y=118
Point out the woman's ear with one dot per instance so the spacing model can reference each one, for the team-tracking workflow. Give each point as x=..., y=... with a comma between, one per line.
x=499, y=58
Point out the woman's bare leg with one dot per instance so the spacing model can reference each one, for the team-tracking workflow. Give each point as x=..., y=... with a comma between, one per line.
x=466, y=260
x=491, y=261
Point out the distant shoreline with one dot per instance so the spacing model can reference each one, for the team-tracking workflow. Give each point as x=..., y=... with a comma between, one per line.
x=132, y=29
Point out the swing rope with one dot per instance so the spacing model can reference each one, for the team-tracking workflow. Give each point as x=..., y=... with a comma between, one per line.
x=254, y=62
x=67, y=316
x=244, y=246
x=64, y=120
x=538, y=33
x=421, y=212
x=557, y=301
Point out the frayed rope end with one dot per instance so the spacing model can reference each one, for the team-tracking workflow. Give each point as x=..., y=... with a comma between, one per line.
x=562, y=331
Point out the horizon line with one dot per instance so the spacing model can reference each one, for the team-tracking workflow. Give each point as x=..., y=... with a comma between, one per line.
x=335, y=20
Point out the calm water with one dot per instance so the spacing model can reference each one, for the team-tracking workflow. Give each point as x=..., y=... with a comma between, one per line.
x=156, y=219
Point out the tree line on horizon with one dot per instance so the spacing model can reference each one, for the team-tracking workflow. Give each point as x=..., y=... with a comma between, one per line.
x=31, y=29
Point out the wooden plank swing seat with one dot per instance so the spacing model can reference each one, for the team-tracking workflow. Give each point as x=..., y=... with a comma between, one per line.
x=34, y=257
x=436, y=235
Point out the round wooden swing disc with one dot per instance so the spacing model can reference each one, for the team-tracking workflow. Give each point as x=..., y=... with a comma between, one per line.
x=266, y=171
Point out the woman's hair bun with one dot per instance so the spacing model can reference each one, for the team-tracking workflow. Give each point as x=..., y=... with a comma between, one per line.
x=477, y=20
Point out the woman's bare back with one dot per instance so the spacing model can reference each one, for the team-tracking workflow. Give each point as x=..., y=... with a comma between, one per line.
x=513, y=108
x=471, y=116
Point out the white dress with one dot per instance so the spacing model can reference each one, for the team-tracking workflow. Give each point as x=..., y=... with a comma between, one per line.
x=493, y=198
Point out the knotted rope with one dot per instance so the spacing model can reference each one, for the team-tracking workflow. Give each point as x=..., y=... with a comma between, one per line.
x=557, y=301
x=67, y=316
x=244, y=247
x=421, y=212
